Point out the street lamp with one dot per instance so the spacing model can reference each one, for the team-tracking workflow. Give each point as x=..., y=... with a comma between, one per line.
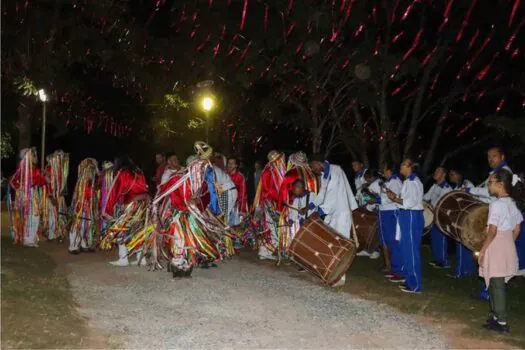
x=43, y=97
x=207, y=105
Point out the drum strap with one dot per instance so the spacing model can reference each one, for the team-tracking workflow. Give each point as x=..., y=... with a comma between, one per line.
x=354, y=233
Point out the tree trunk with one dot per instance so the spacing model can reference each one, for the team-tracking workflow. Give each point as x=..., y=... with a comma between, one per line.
x=416, y=112
x=429, y=158
x=24, y=125
x=317, y=140
x=362, y=142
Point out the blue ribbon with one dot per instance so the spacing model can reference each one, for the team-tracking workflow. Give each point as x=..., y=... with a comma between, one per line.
x=214, y=200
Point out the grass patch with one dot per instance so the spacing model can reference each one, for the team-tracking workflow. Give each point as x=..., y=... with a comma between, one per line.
x=445, y=300
x=38, y=310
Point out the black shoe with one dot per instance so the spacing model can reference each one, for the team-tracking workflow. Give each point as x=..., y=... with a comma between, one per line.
x=74, y=252
x=177, y=273
x=214, y=265
x=489, y=322
x=187, y=273
x=498, y=327
x=300, y=269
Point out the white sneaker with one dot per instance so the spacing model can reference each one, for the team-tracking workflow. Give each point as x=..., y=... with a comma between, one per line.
x=267, y=257
x=341, y=282
x=363, y=253
x=374, y=255
x=120, y=262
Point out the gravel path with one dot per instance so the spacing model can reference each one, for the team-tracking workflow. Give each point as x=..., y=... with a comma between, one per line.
x=239, y=305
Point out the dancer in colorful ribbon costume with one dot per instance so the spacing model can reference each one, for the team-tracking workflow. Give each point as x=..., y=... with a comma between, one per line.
x=225, y=188
x=105, y=179
x=125, y=209
x=84, y=209
x=191, y=234
x=265, y=214
x=26, y=206
x=298, y=169
x=55, y=208
x=241, y=207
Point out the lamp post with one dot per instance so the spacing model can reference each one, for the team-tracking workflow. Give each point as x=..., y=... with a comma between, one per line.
x=43, y=97
x=207, y=106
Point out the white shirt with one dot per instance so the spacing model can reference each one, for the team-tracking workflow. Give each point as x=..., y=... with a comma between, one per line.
x=436, y=192
x=482, y=191
x=412, y=194
x=394, y=184
x=223, y=179
x=335, y=194
x=166, y=175
x=504, y=214
x=299, y=203
x=359, y=181
x=464, y=184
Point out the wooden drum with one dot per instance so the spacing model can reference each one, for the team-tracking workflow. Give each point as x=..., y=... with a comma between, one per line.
x=323, y=251
x=462, y=217
x=365, y=223
x=428, y=213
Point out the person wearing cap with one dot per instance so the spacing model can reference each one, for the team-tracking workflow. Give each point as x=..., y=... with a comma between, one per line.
x=264, y=205
x=26, y=205
x=335, y=200
x=298, y=169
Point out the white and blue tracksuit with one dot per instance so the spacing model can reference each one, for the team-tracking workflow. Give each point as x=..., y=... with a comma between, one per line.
x=411, y=223
x=465, y=263
x=388, y=214
x=438, y=241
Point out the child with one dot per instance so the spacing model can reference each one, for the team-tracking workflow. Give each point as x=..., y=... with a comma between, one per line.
x=410, y=227
x=498, y=260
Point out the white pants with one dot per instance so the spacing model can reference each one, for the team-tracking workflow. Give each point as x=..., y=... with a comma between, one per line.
x=77, y=240
x=341, y=222
x=233, y=212
x=31, y=231
x=51, y=220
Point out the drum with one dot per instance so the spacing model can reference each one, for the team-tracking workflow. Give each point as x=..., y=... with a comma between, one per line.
x=365, y=223
x=323, y=251
x=428, y=213
x=462, y=217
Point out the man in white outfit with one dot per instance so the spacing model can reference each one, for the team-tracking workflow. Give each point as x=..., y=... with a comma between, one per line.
x=335, y=199
x=227, y=192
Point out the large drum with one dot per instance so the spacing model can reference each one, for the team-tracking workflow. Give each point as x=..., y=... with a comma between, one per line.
x=462, y=217
x=428, y=213
x=323, y=251
x=365, y=223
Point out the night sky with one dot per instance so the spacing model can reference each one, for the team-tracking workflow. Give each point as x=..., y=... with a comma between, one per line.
x=124, y=57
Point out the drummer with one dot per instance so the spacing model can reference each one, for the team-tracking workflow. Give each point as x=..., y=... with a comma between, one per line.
x=359, y=170
x=465, y=263
x=410, y=227
x=368, y=196
x=497, y=161
x=335, y=198
x=438, y=241
x=387, y=214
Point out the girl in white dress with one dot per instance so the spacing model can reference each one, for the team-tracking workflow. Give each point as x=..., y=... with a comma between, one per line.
x=498, y=259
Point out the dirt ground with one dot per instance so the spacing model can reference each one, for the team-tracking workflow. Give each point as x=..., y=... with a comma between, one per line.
x=39, y=310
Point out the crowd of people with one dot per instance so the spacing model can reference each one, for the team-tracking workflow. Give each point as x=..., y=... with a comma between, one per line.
x=200, y=213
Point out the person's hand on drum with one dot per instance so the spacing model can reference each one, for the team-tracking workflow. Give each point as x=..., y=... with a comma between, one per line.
x=314, y=216
x=303, y=211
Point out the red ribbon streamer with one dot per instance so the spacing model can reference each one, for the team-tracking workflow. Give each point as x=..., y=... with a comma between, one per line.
x=244, y=10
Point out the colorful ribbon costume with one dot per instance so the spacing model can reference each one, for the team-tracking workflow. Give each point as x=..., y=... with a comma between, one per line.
x=25, y=207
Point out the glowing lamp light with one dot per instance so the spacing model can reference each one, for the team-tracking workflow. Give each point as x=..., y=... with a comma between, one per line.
x=207, y=104
x=42, y=95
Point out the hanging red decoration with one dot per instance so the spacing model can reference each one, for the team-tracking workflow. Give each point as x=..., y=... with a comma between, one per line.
x=243, y=16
